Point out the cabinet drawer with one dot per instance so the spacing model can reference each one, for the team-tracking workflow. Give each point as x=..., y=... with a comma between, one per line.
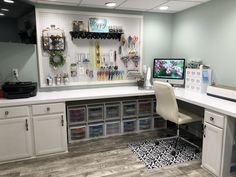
x=11, y=112
x=48, y=108
x=214, y=118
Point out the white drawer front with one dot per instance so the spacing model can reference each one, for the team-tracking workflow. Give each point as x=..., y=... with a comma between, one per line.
x=11, y=112
x=48, y=108
x=214, y=118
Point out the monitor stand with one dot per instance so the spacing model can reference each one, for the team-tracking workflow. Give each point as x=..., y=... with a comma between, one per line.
x=178, y=85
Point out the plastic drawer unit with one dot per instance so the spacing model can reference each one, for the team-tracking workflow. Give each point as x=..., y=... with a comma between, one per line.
x=112, y=111
x=96, y=130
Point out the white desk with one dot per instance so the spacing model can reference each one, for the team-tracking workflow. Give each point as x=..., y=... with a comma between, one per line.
x=208, y=102
x=224, y=107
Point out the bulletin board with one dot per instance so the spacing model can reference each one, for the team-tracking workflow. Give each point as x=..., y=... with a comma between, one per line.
x=80, y=53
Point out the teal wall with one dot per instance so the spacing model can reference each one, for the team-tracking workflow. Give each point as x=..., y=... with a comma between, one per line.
x=208, y=32
x=157, y=37
x=20, y=56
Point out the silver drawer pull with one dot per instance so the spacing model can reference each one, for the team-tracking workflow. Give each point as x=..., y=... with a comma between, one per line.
x=211, y=118
x=62, y=121
x=6, y=113
x=26, y=125
x=48, y=109
x=204, y=133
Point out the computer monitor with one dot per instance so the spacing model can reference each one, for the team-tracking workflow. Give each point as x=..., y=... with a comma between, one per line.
x=170, y=70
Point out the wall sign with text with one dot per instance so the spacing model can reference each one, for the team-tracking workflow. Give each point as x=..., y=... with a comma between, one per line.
x=98, y=25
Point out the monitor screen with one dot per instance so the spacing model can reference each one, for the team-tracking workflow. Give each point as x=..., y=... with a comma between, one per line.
x=170, y=68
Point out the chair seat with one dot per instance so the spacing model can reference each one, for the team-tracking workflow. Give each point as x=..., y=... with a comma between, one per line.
x=187, y=117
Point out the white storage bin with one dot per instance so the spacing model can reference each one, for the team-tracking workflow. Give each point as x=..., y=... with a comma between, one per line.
x=198, y=79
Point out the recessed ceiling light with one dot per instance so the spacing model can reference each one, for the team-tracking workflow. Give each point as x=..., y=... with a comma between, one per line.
x=164, y=8
x=9, y=1
x=110, y=4
x=6, y=10
x=1, y=14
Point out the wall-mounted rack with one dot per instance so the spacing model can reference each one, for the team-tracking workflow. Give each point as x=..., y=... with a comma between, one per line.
x=94, y=35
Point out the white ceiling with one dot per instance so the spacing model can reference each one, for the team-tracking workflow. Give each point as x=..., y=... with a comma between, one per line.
x=137, y=5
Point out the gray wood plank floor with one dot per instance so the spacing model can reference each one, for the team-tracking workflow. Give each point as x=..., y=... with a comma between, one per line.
x=108, y=157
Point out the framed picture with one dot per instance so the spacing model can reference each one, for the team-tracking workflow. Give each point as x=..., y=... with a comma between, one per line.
x=99, y=25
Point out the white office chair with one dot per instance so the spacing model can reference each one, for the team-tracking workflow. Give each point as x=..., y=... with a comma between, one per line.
x=167, y=107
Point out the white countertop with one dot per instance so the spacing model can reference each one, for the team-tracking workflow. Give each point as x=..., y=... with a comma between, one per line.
x=216, y=104
x=73, y=95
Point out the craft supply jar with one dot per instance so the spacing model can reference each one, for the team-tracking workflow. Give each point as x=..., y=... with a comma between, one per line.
x=58, y=80
x=49, y=81
x=75, y=25
x=81, y=25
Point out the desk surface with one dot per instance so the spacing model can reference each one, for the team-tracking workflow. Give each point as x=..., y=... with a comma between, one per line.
x=216, y=104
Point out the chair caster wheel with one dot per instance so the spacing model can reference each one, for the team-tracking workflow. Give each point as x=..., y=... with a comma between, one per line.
x=157, y=143
x=173, y=153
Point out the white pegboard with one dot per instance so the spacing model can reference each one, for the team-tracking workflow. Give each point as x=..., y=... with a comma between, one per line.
x=131, y=24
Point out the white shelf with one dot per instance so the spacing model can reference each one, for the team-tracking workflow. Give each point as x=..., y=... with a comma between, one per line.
x=87, y=83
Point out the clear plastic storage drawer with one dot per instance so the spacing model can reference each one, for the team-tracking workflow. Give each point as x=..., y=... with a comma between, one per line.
x=145, y=124
x=130, y=126
x=112, y=111
x=95, y=113
x=112, y=128
x=96, y=130
x=145, y=107
x=159, y=122
x=77, y=133
x=76, y=115
x=129, y=109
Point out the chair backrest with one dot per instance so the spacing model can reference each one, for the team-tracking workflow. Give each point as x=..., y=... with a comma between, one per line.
x=166, y=101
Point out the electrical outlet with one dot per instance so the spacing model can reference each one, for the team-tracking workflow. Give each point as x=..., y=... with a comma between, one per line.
x=15, y=73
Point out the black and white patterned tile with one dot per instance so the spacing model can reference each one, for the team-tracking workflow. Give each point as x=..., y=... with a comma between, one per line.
x=155, y=156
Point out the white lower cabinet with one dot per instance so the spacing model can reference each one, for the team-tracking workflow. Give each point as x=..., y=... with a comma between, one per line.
x=50, y=134
x=15, y=138
x=212, y=146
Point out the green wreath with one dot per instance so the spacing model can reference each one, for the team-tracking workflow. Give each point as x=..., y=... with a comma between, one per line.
x=56, y=59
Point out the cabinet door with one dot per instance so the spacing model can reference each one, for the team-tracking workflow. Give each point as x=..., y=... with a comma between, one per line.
x=212, y=148
x=15, y=138
x=50, y=134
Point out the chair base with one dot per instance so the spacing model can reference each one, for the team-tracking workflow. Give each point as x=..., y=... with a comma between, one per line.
x=173, y=153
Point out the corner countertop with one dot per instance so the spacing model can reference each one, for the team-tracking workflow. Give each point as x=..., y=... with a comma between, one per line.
x=208, y=102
